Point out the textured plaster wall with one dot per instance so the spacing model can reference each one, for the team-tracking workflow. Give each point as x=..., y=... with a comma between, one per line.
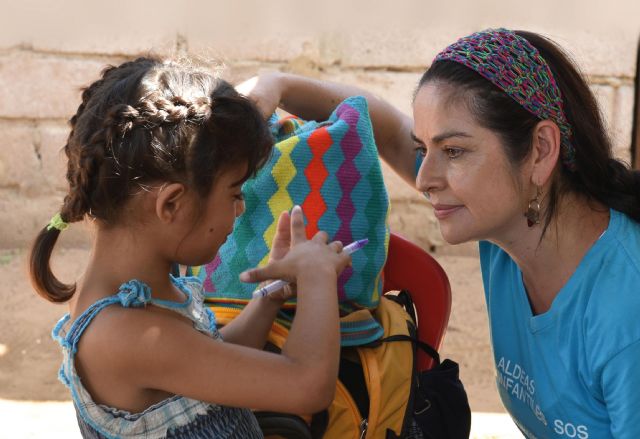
x=48, y=52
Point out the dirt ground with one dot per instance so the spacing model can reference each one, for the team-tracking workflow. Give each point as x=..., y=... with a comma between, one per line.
x=29, y=358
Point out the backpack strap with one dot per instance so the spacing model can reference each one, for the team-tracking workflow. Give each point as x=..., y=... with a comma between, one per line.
x=426, y=347
x=403, y=298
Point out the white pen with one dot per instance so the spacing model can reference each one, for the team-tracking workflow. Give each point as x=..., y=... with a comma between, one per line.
x=279, y=284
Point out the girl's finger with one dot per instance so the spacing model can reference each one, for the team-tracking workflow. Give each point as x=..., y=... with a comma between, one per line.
x=321, y=237
x=255, y=275
x=282, y=239
x=290, y=290
x=297, y=226
x=284, y=294
x=284, y=225
x=336, y=246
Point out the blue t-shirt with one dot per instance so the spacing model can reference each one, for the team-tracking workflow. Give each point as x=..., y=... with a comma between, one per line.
x=573, y=371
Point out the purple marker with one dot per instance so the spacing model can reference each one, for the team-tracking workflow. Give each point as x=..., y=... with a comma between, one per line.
x=277, y=285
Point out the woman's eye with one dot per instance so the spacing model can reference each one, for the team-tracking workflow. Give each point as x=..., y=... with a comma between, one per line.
x=422, y=151
x=453, y=153
x=239, y=197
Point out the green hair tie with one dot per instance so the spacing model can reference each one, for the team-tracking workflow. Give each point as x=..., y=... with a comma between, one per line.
x=57, y=222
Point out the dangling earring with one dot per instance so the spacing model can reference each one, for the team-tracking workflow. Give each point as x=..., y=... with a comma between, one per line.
x=533, y=210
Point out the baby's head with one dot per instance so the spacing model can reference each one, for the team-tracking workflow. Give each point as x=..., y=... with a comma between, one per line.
x=142, y=125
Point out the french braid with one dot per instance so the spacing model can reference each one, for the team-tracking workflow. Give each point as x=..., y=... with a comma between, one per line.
x=83, y=163
x=148, y=120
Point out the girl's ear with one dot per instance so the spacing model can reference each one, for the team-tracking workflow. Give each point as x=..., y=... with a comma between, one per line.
x=545, y=150
x=169, y=200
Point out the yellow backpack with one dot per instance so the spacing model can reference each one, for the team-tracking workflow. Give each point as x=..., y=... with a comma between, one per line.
x=375, y=386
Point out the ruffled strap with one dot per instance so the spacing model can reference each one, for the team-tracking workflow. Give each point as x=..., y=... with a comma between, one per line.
x=132, y=294
x=193, y=308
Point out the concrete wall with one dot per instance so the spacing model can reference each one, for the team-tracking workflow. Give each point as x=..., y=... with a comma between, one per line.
x=48, y=52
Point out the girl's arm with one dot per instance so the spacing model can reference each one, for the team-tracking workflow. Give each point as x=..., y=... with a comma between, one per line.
x=164, y=353
x=312, y=99
x=251, y=327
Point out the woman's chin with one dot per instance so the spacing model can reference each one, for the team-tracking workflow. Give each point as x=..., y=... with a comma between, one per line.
x=452, y=241
x=454, y=237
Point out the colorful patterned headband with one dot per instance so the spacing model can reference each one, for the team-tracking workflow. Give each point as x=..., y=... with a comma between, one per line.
x=511, y=63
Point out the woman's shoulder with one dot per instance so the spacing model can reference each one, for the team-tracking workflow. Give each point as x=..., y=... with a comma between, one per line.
x=612, y=286
x=611, y=271
x=625, y=238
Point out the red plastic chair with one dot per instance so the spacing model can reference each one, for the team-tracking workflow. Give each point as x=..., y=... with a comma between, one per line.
x=409, y=267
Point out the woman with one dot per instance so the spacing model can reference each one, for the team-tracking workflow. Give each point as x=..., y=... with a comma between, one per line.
x=510, y=148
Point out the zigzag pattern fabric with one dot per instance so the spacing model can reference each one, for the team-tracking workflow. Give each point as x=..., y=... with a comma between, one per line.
x=331, y=169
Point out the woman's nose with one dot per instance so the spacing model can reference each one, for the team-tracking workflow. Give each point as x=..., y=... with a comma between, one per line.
x=429, y=176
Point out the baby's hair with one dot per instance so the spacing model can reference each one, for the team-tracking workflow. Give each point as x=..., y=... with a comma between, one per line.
x=147, y=121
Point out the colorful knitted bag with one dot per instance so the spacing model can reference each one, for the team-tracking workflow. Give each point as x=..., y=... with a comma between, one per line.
x=331, y=169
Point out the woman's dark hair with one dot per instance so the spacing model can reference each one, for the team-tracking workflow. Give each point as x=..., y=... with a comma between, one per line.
x=146, y=121
x=598, y=176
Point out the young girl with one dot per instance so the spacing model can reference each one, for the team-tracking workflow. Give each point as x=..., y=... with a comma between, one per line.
x=509, y=146
x=156, y=157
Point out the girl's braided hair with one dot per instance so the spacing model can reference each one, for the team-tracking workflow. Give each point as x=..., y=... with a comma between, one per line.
x=145, y=121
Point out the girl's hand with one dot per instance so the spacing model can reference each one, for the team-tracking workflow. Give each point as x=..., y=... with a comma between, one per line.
x=305, y=258
x=264, y=90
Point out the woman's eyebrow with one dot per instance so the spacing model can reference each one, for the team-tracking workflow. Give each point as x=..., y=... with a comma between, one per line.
x=447, y=135
x=441, y=137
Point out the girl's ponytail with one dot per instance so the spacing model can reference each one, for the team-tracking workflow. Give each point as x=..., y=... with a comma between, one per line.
x=42, y=278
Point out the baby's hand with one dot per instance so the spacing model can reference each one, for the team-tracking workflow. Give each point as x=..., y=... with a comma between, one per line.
x=306, y=257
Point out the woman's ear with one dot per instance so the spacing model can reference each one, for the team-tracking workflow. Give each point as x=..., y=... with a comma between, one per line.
x=171, y=198
x=545, y=151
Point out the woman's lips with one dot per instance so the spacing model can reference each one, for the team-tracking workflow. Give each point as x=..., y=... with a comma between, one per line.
x=443, y=211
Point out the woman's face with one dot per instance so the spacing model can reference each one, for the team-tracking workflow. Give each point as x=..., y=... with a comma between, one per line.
x=473, y=188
